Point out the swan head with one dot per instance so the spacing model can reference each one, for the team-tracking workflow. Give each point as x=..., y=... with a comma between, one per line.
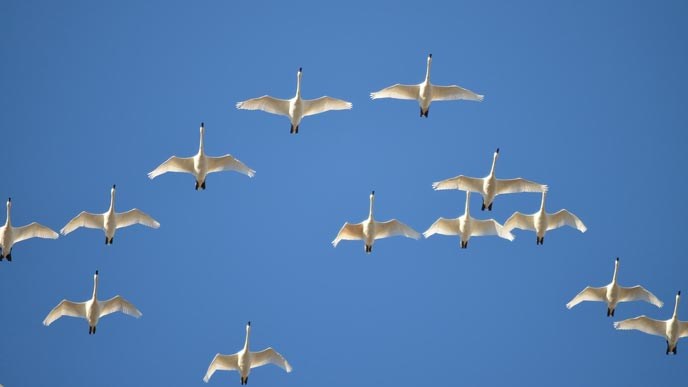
x=96, y=272
x=9, y=202
x=248, y=324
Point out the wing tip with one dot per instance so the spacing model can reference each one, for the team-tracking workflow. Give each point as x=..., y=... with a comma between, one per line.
x=481, y=97
x=617, y=325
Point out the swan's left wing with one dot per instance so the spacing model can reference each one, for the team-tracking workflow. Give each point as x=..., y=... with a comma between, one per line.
x=323, y=104
x=489, y=227
x=443, y=226
x=33, y=230
x=118, y=304
x=589, y=294
x=638, y=293
x=564, y=218
x=507, y=186
x=349, y=232
x=643, y=324
x=520, y=221
x=135, y=216
x=66, y=308
x=460, y=182
x=683, y=329
x=397, y=91
x=173, y=164
x=222, y=363
x=392, y=228
x=267, y=104
x=447, y=93
x=269, y=356
x=228, y=163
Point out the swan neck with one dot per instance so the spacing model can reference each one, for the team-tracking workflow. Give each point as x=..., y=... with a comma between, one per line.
x=95, y=287
x=9, y=215
x=427, y=71
x=676, y=307
x=298, y=85
x=468, y=204
x=616, y=270
x=542, y=208
x=200, y=145
x=494, y=164
x=248, y=333
x=112, y=200
x=370, y=213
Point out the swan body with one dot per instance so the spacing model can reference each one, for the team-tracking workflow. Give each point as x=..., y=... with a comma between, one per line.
x=541, y=221
x=295, y=108
x=612, y=294
x=93, y=309
x=10, y=235
x=466, y=226
x=425, y=92
x=489, y=186
x=244, y=360
x=671, y=329
x=110, y=220
x=200, y=165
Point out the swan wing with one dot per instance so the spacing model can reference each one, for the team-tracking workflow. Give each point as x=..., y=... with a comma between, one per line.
x=461, y=182
x=392, y=228
x=564, y=218
x=266, y=104
x=638, y=293
x=683, y=329
x=323, y=104
x=66, y=308
x=135, y=216
x=589, y=294
x=269, y=356
x=397, y=91
x=173, y=164
x=349, y=232
x=228, y=163
x=489, y=227
x=119, y=304
x=84, y=219
x=507, y=186
x=643, y=324
x=521, y=221
x=222, y=363
x=447, y=93
x=33, y=230
x=443, y=226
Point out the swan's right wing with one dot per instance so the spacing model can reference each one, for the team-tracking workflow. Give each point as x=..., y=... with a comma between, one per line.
x=173, y=164
x=118, y=304
x=397, y=91
x=448, y=93
x=521, y=221
x=33, y=230
x=392, y=228
x=349, y=232
x=643, y=324
x=135, y=216
x=564, y=218
x=682, y=329
x=443, y=226
x=506, y=186
x=84, y=219
x=266, y=104
x=461, y=182
x=228, y=163
x=222, y=363
x=269, y=356
x=489, y=227
x=589, y=294
x=323, y=104
x=638, y=293
x=66, y=308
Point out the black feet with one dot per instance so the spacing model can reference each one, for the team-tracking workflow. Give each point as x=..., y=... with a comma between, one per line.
x=203, y=186
x=613, y=312
x=483, y=207
x=489, y=208
x=464, y=244
x=91, y=330
x=539, y=241
x=609, y=312
x=667, y=351
x=291, y=131
x=368, y=248
x=294, y=129
x=196, y=185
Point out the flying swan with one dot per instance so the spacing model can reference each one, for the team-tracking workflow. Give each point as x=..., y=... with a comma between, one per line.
x=109, y=221
x=244, y=360
x=295, y=108
x=200, y=165
x=425, y=92
x=10, y=235
x=93, y=309
x=612, y=294
x=369, y=230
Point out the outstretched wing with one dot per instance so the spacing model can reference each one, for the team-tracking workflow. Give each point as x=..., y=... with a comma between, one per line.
x=392, y=228
x=638, y=293
x=589, y=294
x=269, y=356
x=266, y=104
x=228, y=163
x=33, y=230
x=683, y=329
x=521, y=221
x=564, y=218
x=173, y=164
x=397, y=91
x=323, y=104
x=135, y=216
x=489, y=227
x=222, y=363
x=118, y=304
x=349, y=232
x=461, y=182
x=443, y=226
x=447, y=93
x=507, y=186
x=84, y=219
x=643, y=324
x=66, y=308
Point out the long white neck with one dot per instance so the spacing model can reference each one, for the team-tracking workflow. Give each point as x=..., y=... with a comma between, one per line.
x=494, y=163
x=95, y=286
x=9, y=211
x=248, y=333
x=427, y=71
x=372, y=200
x=200, y=146
x=112, y=199
x=678, y=298
x=468, y=204
x=298, y=84
x=542, y=203
x=616, y=270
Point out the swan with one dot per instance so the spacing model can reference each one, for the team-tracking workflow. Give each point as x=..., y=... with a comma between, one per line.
x=671, y=329
x=369, y=230
x=541, y=222
x=244, y=360
x=425, y=92
x=10, y=235
x=200, y=165
x=93, y=309
x=489, y=186
x=466, y=226
x=612, y=294
x=110, y=220
x=295, y=108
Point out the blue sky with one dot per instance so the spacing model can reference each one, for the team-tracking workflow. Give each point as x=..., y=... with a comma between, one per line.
x=587, y=97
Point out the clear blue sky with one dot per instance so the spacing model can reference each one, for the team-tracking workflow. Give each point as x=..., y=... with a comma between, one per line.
x=588, y=97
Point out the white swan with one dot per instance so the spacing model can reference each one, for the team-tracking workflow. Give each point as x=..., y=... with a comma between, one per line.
x=369, y=230
x=295, y=108
x=671, y=329
x=244, y=360
x=10, y=235
x=93, y=309
x=200, y=165
x=425, y=92
x=466, y=226
x=489, y=186
x=110, y=220
x=612, y=294
x=541, y=222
